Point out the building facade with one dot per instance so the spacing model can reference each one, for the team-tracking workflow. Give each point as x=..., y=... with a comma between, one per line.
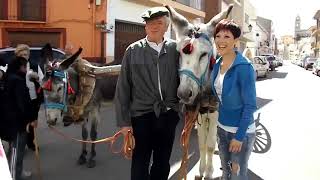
x=59, y=22
x=267, y=44
x=315, y=45
x=125, y=17
x=298, y=32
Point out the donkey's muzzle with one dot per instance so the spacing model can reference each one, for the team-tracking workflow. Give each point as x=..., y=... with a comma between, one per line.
x=184, y=94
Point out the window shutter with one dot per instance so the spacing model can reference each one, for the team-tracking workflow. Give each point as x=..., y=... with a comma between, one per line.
x=43, y=8
x=4, y=8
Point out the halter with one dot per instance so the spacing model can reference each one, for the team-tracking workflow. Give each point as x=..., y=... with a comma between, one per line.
x=200, y=81
x=63, y=105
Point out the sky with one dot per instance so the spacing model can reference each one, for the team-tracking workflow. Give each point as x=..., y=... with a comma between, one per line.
x=284, y=12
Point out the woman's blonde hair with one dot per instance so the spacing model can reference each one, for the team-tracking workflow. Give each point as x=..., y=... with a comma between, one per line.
x=20, y=48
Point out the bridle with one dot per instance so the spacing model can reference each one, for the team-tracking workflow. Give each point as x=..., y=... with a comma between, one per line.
x=211, y=59
x=67, y=89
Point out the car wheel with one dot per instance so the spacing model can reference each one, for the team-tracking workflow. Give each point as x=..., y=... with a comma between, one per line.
x=256, y=74
x=265, y=74
x=318, y=73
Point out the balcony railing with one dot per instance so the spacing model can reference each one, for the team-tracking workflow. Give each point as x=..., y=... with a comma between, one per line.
x=196, y=4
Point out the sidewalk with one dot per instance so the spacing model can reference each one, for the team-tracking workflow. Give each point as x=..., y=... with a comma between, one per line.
x=4, y=168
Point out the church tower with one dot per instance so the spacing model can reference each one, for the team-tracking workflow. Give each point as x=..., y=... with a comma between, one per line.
x=297, y=25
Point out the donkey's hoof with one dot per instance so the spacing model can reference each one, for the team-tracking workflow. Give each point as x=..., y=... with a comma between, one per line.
x=91, y=163
x=82, y=160
x=198, y=177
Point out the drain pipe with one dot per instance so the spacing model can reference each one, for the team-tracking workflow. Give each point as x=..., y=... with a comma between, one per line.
x=102, y=44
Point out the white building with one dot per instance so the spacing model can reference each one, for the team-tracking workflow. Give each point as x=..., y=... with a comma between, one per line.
x=244, y=14
x=127, y=26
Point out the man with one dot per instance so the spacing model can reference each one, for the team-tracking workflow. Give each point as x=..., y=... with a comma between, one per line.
x=146, y=97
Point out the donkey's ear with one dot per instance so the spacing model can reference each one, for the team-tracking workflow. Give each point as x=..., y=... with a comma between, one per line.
x=179, y=22
x=217, y=18
x=46, y=54
x=67, y=62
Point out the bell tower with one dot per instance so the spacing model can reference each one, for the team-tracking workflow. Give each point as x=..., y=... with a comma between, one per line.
x=297, y=25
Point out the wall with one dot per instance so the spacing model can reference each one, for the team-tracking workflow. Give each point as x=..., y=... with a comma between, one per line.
x=78, y=18
x=123, y=11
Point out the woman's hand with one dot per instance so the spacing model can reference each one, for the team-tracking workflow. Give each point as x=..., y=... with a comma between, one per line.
x=235, y=146
x=34, y=123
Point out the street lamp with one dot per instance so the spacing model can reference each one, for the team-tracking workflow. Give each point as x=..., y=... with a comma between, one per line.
x=249, y=28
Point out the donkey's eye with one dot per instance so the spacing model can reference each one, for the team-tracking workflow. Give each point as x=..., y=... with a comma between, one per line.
x=190, y=33
x=203, y=55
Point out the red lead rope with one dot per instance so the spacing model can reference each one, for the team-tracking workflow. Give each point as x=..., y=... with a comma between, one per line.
x=126, y=149
x=189, y=121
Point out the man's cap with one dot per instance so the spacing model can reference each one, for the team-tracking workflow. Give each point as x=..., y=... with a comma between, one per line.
x=154, y=12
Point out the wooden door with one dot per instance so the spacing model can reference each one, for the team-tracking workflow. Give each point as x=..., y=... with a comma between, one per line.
x=125, y=34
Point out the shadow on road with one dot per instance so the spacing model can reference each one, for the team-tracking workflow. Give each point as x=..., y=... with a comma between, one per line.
x=274, y=74
x=262, y=102
x=251, y=175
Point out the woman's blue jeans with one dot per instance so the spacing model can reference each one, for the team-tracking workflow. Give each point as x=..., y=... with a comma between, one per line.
x=241, y=158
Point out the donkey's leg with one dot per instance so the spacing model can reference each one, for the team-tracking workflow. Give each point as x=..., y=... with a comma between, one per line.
x=211, y=142
x=93, y=135
x=82, y=159
x=202, y=145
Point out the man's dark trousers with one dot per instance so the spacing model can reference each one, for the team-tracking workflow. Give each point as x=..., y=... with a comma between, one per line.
x=153, y=136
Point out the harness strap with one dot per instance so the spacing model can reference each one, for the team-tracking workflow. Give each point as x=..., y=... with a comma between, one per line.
x=200, y=81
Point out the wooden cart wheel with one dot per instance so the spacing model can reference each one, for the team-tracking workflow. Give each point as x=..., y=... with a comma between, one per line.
x=262, y=143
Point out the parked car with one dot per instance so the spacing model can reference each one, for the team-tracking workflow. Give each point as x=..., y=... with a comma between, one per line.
x=6, y=54
x=302, y=61
x=272, y=61
x=308, y=62
x=316, y=67
x=261, y=66
x=280, y=61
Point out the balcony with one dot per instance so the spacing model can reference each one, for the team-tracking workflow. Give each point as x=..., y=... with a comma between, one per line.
x=196, y=4
x=189, y=8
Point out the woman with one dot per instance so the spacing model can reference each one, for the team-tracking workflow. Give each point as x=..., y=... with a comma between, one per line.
x=234, y=83
x=33, y=78
x=19, y=116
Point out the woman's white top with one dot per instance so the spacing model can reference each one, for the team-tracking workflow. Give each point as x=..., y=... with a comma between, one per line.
x=30, y=85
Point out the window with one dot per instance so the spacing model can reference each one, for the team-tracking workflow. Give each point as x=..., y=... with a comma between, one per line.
x=197, y=4
x=32, y=10
x=257, y=60
x=4, y=9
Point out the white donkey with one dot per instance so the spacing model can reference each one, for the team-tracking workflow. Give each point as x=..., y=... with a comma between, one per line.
x=198, y=52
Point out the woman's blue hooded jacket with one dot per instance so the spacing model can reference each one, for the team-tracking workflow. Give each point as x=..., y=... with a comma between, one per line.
x=238, y=98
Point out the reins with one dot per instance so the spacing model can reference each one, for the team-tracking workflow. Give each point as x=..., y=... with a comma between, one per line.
x=126, y=149
x=190, y=119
